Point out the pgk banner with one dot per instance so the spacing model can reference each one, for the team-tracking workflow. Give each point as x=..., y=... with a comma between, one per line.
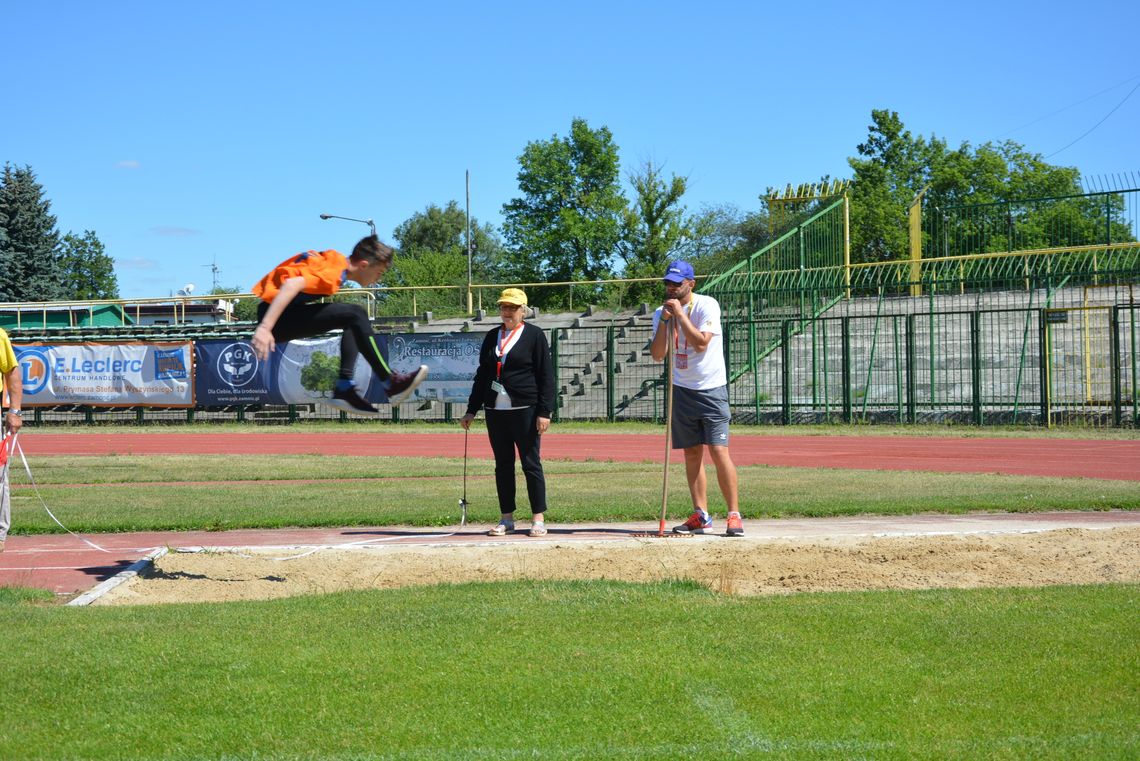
x=304, y=371
x=297, y=372
x=108, y=375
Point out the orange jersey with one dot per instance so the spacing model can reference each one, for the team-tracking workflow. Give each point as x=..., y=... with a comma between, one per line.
x=324, y=273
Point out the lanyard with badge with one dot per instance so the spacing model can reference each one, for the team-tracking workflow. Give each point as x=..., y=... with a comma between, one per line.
x=503, y=400
x=681, y=358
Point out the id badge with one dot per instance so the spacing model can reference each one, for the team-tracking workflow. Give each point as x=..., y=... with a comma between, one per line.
x=681, y=361
x=498, y=388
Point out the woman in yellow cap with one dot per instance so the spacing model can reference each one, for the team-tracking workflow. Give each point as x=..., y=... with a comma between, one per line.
x=515, y=386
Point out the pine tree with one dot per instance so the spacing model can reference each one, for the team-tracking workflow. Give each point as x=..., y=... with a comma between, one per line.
x=29, y=243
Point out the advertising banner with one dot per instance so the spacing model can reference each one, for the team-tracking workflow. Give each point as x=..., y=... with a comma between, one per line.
x=452, y=359
x=107, y=375
x=297, y=372
x=304, y=371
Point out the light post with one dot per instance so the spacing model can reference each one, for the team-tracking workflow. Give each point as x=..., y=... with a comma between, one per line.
x=470, y=306
x=352, y=219
x=369, y=294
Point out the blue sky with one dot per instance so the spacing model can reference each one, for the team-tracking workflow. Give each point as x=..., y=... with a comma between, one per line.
x=192, y=134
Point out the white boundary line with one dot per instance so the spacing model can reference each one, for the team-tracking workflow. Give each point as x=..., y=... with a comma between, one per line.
x=103, y=588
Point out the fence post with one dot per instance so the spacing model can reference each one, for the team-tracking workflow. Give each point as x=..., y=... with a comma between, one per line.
x=911, y=406
x=1043, y=344
x=610, y=373
x=786, y=373
x=1114, y=363
x=976, y=364
x=846, y=371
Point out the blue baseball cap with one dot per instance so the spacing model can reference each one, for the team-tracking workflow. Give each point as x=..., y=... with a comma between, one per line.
x=679, y=272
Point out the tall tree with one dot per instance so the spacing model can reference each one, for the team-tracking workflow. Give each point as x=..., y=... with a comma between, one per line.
x=721, y=236
x=891, y=172
x=654, y=227
x=87, y=271
x=432, y=251
x=567, y=224
x=893, y=166
x=29, y=246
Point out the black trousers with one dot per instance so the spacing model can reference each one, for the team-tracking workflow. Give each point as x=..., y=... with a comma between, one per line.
x=508, y=430
x=308, y=320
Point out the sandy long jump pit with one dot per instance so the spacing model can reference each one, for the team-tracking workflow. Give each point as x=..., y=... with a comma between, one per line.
x=739, y=566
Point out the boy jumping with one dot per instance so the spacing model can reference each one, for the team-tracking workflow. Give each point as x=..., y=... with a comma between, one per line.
x=288, y=311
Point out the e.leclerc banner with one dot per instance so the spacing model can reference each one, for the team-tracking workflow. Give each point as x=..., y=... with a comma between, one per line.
x=107, y=375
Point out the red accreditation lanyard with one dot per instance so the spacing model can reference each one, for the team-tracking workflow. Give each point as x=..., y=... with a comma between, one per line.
x=502, y=343
x=677, y=330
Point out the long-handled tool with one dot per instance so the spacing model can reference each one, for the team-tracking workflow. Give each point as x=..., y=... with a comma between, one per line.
x=668, y=422
x=463, y=499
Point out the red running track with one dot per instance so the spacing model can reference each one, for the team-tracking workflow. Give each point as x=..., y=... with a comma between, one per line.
x=1077, y=458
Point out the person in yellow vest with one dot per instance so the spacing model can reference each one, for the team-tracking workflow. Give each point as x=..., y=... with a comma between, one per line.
x=289, y=310
x=13, y=421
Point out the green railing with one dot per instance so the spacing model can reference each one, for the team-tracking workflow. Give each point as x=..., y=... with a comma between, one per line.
x=1091, y=219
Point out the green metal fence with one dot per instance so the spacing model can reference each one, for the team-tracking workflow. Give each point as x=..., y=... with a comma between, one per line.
x=1091, y=219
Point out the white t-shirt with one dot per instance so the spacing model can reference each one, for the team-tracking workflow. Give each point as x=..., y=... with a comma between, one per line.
x=698, y=370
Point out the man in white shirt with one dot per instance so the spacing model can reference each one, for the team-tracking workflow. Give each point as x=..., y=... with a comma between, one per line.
x=700, y=393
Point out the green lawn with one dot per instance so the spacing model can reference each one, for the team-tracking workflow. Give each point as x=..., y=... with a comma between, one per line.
x=580, y=670
x=556, y=670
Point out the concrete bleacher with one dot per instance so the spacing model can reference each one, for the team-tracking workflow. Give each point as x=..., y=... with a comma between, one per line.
x=580, y=340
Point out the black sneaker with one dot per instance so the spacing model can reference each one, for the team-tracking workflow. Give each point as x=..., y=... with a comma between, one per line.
x=401, y=385
x=347, y=400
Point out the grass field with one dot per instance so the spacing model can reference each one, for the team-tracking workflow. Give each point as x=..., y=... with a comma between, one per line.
x=557, y=670
x=579, y=670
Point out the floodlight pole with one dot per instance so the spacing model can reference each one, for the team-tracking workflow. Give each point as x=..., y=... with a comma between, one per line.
x=470, y=305
x=352, y=219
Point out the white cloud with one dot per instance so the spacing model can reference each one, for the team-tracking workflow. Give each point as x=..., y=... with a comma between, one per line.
x=128, y=164
x=171, y=231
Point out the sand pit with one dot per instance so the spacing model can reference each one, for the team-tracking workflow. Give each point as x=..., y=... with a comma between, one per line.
x=744, y=566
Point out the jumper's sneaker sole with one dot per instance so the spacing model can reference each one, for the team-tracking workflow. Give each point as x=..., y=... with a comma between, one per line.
x=417, y=378
x=343, y=406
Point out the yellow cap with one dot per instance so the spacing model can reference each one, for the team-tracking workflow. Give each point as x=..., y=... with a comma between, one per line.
x=513, y=296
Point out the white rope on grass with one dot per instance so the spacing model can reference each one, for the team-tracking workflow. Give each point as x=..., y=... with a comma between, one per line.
x=13, y=445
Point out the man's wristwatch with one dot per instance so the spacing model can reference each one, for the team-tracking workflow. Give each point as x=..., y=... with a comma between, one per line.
x=17, y=413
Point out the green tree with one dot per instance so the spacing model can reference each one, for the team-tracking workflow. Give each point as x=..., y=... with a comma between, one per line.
x=29, y=245
x=886, y=179
x=993, y=179
x=721, y=236
x=88, y=273
x=432, y=251
x=321, y=373
x=245, y=310
x=567, y=224
x=653, y=229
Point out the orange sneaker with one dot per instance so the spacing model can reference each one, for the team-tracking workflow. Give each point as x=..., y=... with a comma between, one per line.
x=735, y=526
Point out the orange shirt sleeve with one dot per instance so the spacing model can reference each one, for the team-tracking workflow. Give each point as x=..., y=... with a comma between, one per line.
x=323, y=272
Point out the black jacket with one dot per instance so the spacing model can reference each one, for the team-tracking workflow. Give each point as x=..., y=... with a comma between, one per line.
x=528, y=373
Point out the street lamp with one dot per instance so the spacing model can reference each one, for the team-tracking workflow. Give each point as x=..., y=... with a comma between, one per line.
x=352, y=219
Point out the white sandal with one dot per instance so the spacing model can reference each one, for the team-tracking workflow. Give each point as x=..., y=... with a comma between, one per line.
x=537, y=529
x=502, y=529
